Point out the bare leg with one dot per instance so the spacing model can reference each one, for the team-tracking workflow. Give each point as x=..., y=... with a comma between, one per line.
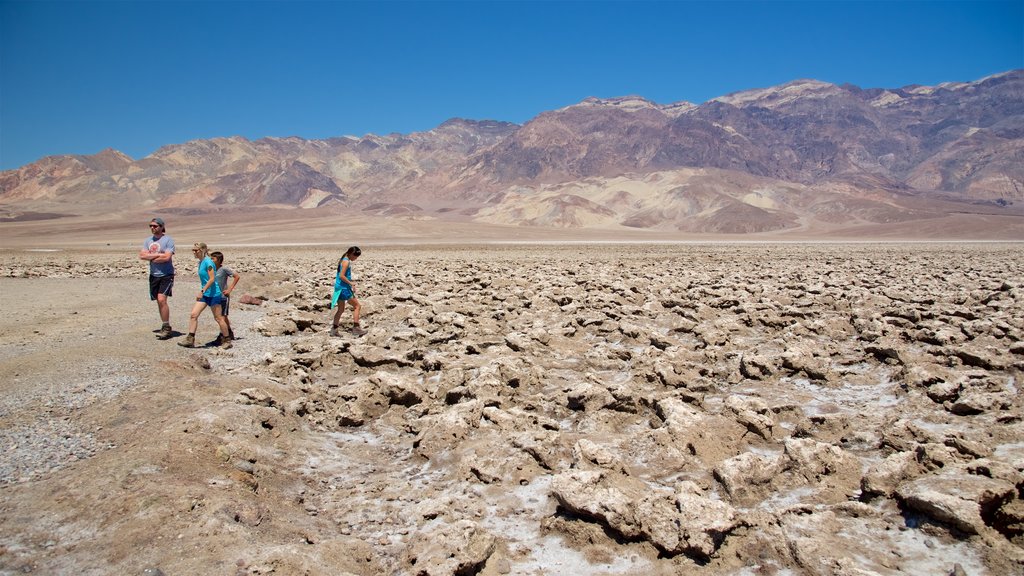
x=165, y=310
x=193, y=323
x=338, y=310
x=224, y=309
x=356, y=307
x=221, y=319
x=193, y=319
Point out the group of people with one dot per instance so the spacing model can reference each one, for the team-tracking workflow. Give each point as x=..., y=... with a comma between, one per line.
x=215, y=292
x=218, y=281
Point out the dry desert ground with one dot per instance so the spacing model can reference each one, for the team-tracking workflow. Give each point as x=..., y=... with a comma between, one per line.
x=545, y=409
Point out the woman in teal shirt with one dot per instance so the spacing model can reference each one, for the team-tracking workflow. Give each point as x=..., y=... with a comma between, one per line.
x=210, y=295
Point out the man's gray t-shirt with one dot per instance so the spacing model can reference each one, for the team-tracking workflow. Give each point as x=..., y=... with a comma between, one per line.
x=155, y=245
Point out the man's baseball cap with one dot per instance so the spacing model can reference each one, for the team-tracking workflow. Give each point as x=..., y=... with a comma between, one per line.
x=158, y=221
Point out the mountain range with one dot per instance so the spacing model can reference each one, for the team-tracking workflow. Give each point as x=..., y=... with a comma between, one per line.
x=802, y=155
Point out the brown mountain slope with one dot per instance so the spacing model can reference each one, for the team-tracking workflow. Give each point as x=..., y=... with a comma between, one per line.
x=795, y=156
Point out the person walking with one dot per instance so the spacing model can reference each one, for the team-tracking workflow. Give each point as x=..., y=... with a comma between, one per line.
x=210, y=295
x=158, y=250
x=345, y=291
x=223, y=273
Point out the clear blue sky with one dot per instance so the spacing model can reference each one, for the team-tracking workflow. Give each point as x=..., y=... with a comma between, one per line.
x=78, y=77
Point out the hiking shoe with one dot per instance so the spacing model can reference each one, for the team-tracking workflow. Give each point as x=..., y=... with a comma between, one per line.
x=190, y=342
x=165, y=332
x=334, y=330
x=216, y=341
x=358, y=331
x=225, y=343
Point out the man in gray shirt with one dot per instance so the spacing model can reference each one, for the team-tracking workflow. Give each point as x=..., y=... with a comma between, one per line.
x=158, y=250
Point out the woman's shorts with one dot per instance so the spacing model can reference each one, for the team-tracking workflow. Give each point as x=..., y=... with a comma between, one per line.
x=213, y=300
x=160, y=285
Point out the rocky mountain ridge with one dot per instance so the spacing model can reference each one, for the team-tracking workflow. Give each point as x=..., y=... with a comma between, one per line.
x=796, y=155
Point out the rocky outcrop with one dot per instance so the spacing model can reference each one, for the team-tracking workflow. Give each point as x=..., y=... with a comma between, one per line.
x=704, y=403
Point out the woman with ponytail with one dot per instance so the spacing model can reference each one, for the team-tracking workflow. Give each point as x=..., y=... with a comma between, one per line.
x=345, y=291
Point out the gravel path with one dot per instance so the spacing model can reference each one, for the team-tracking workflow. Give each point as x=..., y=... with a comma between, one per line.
x=57, y=362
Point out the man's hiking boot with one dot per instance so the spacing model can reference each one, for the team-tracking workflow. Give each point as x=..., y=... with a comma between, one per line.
x=358, y=331
x=189, y=342
x=165, y=332
x=334, y=331
x=225, y=343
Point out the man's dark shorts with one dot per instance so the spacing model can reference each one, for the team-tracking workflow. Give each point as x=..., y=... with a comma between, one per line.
x=225, y=305
x=160, y=285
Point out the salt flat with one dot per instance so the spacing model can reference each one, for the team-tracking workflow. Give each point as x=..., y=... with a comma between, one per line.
x=521, y=409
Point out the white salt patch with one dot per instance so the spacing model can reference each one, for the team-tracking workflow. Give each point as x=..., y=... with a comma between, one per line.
x=764, y=451
x=913, y=552
x=785, y=500
x=676, y=478
x=533, y=500
x=361, y=437
x=621, y=377
x=334, y=457
x=760, y=569
x=858, y=368
x=1010, y=452
x=865, y=543
x=547, y=554
x=850, y=398
x=936, y=428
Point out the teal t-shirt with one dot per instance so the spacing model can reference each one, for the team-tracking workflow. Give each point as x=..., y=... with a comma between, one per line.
x=207, y=267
